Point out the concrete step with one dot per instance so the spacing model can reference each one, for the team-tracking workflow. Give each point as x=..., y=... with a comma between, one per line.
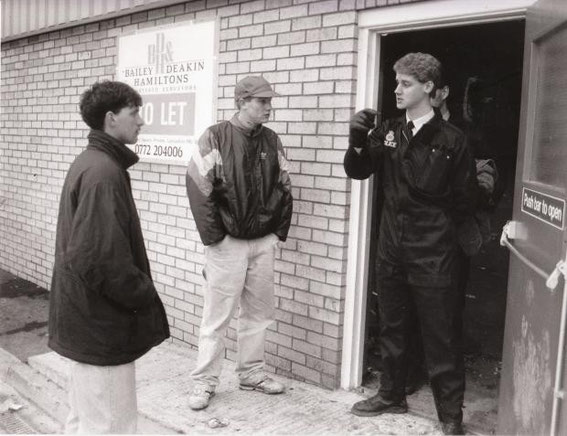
x=43, y=381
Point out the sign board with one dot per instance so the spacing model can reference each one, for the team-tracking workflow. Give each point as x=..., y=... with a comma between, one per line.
x=175, y=71
x=550, y=210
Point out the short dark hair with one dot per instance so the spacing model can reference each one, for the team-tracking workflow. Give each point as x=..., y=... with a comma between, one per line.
x=423, y=66
x=106, y=96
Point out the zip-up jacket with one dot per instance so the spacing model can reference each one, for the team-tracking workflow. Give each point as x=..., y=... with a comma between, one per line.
x=429, y=187
x=238, y=183
x=104, y=308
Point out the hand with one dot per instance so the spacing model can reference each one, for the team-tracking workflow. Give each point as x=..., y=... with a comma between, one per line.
x=360, y=124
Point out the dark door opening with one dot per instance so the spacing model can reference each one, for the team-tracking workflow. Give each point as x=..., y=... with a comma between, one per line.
x=483, y=66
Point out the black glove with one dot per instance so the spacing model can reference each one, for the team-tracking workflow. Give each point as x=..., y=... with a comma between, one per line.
x=360, y=124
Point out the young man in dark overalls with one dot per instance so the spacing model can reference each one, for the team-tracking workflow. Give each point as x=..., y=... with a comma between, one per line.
x=427, y=175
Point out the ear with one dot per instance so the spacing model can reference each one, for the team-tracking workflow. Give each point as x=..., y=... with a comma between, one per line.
x=428, y=87
x=109, y=119
x=445, y=92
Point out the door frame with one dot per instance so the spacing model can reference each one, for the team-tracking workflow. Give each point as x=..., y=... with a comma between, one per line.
x=371, y=24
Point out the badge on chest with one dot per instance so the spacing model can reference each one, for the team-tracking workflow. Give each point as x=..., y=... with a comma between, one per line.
x=389, y=140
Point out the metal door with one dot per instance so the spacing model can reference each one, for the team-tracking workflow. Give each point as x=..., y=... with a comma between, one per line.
x=532, y=368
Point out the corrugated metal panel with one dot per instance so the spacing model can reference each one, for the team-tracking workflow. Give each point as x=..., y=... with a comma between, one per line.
x=22, y=18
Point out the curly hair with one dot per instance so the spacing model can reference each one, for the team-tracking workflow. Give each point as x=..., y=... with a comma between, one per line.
x=422, y=66
x=106, y=96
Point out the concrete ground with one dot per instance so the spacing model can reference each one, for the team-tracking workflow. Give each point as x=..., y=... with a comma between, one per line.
x=39, y=378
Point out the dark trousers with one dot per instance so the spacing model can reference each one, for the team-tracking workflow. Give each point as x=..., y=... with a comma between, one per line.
x=436, y=310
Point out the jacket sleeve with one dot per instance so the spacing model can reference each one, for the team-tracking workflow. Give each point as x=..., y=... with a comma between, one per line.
x=464, y=182
x=362, y=165
x=200, y=179
x=99, y=250
x=287, y=199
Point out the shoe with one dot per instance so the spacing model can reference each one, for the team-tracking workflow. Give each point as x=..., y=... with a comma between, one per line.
x=267, y=386
x=375, y=405
x=200, y=397
x=452, y=428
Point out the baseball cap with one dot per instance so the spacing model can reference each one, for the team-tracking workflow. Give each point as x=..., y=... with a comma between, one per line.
x=254, y=86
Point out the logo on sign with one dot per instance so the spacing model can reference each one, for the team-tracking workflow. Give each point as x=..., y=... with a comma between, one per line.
x=160, y=53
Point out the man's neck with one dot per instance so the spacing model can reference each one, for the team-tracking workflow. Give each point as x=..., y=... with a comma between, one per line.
x=246, y=123
x=419, y=110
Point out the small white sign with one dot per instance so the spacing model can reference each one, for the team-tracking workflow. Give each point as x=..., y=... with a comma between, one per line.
x=175, y=71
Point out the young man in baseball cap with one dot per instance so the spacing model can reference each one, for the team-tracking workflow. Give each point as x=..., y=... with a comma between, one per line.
x=240, y=196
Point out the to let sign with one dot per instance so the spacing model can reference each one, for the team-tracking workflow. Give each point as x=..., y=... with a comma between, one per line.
x=174, y=70
x=550, y=210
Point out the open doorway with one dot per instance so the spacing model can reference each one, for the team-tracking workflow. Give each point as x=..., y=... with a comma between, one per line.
x=483, y=65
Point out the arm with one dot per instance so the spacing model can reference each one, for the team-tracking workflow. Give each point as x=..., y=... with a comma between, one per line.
x=464, y=182
x=200, y=179
x=99, y=250
x=287, y=199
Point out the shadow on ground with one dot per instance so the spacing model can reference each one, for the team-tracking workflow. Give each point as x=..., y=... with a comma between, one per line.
x=23, y=319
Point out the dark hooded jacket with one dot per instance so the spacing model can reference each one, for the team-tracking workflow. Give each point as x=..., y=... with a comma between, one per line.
x=104, y=308
x=238, y=183
x=429, y=188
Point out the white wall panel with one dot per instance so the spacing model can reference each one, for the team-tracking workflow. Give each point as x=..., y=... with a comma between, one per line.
x=29, y=17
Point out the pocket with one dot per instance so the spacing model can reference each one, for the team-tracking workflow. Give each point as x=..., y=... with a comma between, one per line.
x=433, y=177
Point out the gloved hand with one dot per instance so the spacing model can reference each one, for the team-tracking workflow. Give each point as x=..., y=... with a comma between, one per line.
x=360, y=124
x=486, y=174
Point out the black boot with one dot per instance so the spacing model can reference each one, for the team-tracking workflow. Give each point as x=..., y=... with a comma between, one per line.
x=452, y=428
x=376, y=405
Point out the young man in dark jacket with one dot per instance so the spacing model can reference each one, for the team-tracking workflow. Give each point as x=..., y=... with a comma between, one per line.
x=240, y=196
x=427, y=174
x=104, y=309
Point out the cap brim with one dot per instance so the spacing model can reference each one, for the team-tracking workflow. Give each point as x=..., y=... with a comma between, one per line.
x=266, y=94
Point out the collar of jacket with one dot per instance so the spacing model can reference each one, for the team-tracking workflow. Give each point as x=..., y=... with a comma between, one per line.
x=99, y=140
x=427, y=131
x=254, y=131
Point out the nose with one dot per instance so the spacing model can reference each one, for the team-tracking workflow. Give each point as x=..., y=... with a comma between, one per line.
x=398, y=89
x=140, y=121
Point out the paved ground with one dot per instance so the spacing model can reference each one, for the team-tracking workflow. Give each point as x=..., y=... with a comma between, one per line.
x=164, y=384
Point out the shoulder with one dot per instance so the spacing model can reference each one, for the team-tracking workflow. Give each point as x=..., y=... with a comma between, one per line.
x=94, y=167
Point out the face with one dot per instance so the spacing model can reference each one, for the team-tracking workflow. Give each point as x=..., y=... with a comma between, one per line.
x=410, y=92
x=125, y=125
x=257, y=110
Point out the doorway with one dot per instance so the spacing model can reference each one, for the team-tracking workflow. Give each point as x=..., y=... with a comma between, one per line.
x=483, y=66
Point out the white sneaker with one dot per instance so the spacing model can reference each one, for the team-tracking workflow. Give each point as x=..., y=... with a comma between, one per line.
x=200, y=397
x=267, y=385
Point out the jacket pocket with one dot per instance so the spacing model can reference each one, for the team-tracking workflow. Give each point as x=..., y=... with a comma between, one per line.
x=429, y=169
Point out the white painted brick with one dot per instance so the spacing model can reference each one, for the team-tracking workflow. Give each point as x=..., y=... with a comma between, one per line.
x=318, y=88
x=266, y=16
x=253, y=6
x=260, y=66
x=338, y=46
x=306, y=23
x=291, y=38
x=240, y=20
x=323, y=7
x=249, y=55
x=305, y=49
x=291, y=63
x=248, y=31
x=276, y=52
x=278, y=27
x=264, y=41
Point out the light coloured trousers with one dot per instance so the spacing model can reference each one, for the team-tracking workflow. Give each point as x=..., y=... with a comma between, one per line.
x=102, y=399
x=237, y=271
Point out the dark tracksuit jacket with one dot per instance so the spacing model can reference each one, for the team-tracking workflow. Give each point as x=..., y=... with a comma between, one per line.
x=238, y=183
x=429, y=187
x=104, y=308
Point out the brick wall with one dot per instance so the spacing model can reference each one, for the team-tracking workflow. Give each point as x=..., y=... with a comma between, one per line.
x=307, y=49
